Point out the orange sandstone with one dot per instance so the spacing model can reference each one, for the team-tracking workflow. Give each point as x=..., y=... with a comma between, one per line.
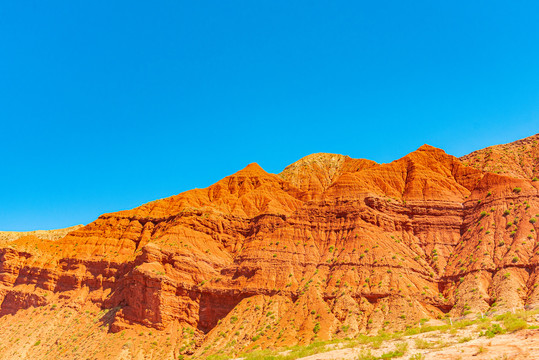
x=331, y=247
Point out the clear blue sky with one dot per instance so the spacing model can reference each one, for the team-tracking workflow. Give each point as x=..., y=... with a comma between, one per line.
x=105, y=105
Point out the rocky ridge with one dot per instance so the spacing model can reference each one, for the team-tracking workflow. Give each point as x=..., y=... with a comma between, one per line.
x=518, y=159
x=331, y=247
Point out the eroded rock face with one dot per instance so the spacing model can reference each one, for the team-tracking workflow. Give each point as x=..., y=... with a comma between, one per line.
x=518, y=159
x=331, y=247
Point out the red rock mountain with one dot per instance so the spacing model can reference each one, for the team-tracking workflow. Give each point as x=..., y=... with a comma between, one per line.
x=331, y=247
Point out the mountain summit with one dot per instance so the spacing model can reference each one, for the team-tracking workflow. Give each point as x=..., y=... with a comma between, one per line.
x=332, y=247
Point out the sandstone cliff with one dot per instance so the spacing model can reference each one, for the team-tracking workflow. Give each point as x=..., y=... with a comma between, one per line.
x=331, y=247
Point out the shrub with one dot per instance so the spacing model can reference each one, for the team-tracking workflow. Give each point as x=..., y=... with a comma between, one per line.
x=494, y=330
x=506, y=212
x=533, y=220
x=423, y=344
x=517, y=190
x=401, y=347
x=465, y=339
x=515, y=259
x=365, y=355
x=513, y=322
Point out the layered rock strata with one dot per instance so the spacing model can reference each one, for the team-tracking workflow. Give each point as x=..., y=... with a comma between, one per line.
x=331, y=247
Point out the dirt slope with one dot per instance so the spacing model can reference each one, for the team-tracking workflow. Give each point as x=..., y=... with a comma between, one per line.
x=56, y=234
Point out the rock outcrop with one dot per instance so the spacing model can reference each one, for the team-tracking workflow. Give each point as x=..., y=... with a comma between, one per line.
x=331, y=247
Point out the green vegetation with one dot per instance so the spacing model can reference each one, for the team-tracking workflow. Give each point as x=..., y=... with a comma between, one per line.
x=513, y=321
x=424, y=344
x=295, y=352
x=488, y=327
x=494, y=330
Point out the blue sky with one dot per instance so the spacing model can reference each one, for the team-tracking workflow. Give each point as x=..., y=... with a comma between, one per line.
x=107, y=105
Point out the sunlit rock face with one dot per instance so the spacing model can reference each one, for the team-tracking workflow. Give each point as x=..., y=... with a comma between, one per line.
x=331, y=247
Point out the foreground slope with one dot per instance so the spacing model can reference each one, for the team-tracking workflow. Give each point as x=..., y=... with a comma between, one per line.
x=331, y=247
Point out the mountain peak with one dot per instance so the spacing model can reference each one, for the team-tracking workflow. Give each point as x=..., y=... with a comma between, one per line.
x=314, y=172
x=253, y=167
x=427, y=147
